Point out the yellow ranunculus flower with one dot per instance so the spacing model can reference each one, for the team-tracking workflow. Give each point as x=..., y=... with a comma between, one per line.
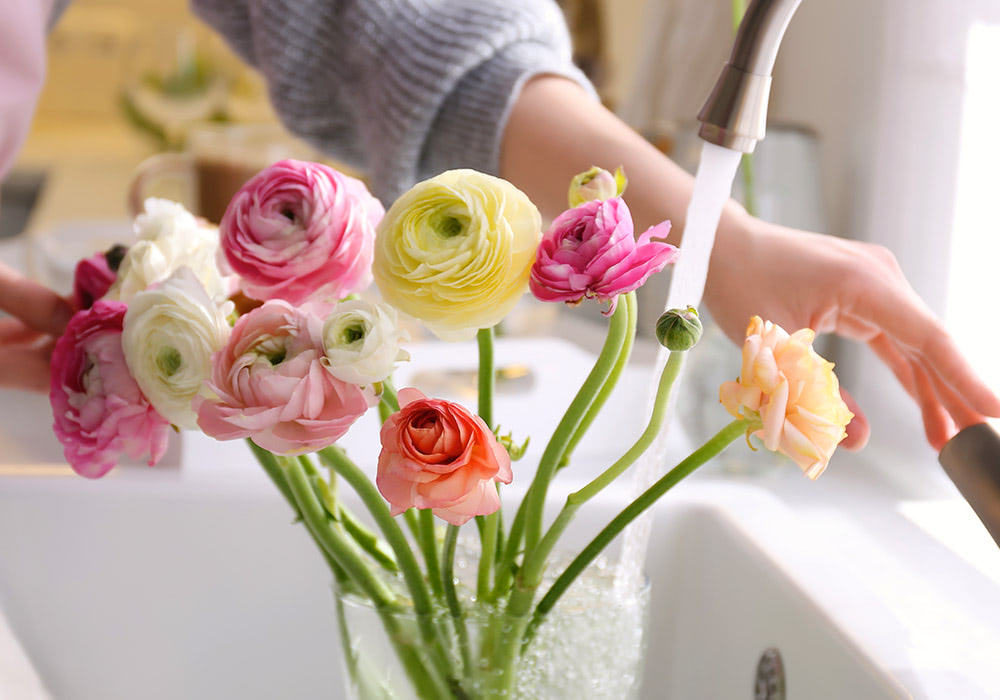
x=794, y=392
x=456, y=251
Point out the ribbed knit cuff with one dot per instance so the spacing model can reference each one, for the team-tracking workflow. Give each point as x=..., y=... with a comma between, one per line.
x=468, y=130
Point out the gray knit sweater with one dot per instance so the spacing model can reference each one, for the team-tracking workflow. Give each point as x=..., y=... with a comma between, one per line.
x=401, y=88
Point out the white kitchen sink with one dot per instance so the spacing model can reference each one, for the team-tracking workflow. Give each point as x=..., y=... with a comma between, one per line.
x=190, y=581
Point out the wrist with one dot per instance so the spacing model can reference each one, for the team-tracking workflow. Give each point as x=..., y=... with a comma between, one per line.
x=734, y=241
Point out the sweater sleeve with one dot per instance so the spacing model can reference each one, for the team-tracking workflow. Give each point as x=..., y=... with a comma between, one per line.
x=401, y=88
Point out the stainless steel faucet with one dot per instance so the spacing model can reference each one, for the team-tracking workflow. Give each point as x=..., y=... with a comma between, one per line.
x=736, y=112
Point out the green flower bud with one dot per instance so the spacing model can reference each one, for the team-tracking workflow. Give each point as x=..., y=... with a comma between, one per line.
x=596, y=183
x=679, y=329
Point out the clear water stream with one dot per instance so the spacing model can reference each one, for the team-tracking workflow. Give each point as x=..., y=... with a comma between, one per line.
x=712, y=186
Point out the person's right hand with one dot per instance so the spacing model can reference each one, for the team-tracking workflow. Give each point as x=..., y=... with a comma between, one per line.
x=856, y=290
x=38, y=317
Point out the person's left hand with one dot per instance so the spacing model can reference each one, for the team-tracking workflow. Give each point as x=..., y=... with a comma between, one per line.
x=38, y=317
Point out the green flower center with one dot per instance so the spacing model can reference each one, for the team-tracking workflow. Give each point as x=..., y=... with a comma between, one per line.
x=168, y=361
x=353, y=333
x=448, y=226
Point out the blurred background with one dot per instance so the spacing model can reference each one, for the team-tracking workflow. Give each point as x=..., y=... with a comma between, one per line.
x=880, y=129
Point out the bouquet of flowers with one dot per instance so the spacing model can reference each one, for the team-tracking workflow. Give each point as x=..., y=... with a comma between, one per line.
x=253, y=330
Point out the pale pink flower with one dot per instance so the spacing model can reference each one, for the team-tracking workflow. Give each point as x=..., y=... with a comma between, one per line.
x=298, y=230
x=270, y=385
x=99, y=411
x=92, y=279
x=590, y=252
x=794, y=393
x=438, y=454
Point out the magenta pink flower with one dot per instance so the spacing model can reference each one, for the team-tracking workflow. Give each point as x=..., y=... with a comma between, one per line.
x=92, y=279
x=438, y=454
x=271, y=386
x=297, y=230
x=590, y=252
x=99, y=411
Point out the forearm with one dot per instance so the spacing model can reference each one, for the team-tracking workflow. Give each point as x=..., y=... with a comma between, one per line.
x=556, y=130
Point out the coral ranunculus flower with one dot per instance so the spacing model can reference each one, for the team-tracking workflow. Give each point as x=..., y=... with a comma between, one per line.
x=590, y=251
x=794, y=392
x=438, y=454
x=455, y=251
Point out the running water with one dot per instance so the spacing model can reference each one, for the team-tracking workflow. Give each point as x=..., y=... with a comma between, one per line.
x=712, y=185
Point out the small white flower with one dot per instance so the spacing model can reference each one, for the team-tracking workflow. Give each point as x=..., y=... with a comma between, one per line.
x=170, y=333
x=361, y=342
x=162, y=217
x=169, y=237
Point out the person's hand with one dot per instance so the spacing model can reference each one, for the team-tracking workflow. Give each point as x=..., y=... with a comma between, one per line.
x=38, y=317
x=858, y=291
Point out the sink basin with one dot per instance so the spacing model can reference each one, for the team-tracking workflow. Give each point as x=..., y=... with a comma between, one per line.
x=192, y=581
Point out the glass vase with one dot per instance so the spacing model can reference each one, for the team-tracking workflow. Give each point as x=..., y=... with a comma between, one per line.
x=591, y=645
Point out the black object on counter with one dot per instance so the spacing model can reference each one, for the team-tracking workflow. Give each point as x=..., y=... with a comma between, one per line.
x=971, y=460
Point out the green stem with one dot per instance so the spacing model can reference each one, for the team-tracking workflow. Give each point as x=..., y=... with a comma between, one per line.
x=534, y=500
x=451, y=597
x=367, y=540
x=336, y=458
x=749, y=184
x=292, y=479
x=710, y=449
x=388, y=402
x=340, y=548
x=490, y=523
x=412, y=522
x=609, y=385
x=271, y=467
x=487, y=375
x=487, y=556
x=534, y=566
x=739, y=8
x=428, y=546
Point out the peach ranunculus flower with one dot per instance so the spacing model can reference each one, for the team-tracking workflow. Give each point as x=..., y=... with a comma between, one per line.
x=793, y=391
x=438, y=454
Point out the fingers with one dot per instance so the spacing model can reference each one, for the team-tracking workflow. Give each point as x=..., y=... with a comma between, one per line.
x=900, y=365
x=858, y=430
x=38, y=306
x=961, y=413
x=14, y=332
x=908, y=322
x=938, y=424
x=25, y=368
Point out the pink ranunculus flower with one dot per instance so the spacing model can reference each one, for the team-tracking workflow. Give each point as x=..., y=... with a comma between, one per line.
x=270, y=385
x=297, y=230
x=92, y=279
x=438, y=454
x=99, y=411
x=590, y=251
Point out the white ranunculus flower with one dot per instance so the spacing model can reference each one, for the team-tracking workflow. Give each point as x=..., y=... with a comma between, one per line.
x=162, y=217
x=361, y=342
x=170, y=333
x=169, y=237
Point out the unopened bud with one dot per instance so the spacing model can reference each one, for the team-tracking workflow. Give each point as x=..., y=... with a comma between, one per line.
x=596, y=183
x=679, y=329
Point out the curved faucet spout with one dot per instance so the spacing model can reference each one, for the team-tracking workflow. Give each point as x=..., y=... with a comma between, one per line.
x=735, y=114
